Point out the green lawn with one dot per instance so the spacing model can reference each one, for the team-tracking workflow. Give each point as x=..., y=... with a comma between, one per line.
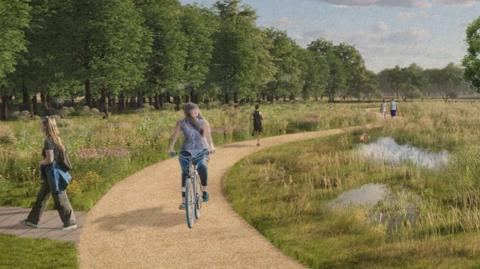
x=145, y=138
x=282, y=192
x=106, y=151
x=25, y=253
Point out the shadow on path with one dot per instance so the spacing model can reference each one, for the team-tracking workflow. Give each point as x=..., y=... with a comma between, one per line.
x=149, y=217
x=239, y=146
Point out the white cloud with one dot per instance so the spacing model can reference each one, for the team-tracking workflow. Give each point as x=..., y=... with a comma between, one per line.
x=404, y=16
x=457, y=2
x=380, y=27
x=408, y=37
x=382, y=46
x=283, y=22
x=401, y=3
x=395, y=3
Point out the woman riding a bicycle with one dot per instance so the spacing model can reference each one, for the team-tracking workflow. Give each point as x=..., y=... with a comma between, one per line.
x=197, y=146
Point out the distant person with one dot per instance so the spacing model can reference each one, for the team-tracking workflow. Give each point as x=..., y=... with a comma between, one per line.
x=383, y=109
x=257, y=118
x=393, y=108
x=197, y=145
x=55, y=179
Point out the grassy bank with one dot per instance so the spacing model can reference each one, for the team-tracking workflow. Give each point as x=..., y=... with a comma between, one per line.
x=25, y=253
x=105, y=151
x=289, y=186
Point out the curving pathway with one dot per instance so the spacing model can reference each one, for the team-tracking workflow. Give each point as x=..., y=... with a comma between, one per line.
x=137, y=223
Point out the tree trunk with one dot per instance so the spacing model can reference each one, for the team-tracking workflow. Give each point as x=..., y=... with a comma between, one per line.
x=88, y=93
x=27, y=105
x=157, y=101
x=331, y=98
x=226, y=98
x=4, y=112
x=44, y=100
x=103, y=104
x=111, y=100
x=177, y=103
x=34, y=105
x=139, y=99
x=121, y=102
x=194, y=97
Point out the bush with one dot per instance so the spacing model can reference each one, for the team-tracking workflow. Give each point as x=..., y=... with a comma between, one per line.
x=7, y=136
x=22, y=115
x=168, y=106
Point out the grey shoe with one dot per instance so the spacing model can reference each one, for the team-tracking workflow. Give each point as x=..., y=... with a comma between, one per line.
x=181, y=206
x=70, y=227
x=29, y=224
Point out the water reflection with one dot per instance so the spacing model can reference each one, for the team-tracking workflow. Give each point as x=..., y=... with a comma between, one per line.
x=387, y=150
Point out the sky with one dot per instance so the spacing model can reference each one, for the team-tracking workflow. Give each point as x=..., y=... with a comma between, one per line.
x=430, y=33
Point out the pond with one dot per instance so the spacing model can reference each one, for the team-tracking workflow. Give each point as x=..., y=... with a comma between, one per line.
x=394, y=209
x=367, y=195
x=387, y=150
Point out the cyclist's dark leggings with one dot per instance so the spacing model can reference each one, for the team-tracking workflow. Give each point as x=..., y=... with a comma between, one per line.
x=200, y=161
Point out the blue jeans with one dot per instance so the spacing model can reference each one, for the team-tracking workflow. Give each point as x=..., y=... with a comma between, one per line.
x=200, y=160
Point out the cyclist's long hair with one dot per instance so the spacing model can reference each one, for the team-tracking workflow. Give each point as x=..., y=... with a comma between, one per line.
x=187, y=109
x=52, y=132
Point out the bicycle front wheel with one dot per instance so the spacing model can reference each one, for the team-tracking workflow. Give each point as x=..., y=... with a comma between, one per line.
x=198, y=200
x=190, y=202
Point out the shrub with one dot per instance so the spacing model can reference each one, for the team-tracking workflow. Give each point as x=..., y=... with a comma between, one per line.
x=7, y=136
x=168, y=106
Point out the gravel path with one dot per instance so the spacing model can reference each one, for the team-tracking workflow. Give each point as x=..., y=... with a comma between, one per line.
x=137, y=224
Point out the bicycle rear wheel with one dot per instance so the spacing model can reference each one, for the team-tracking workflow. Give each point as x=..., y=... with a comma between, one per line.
x=190, y=202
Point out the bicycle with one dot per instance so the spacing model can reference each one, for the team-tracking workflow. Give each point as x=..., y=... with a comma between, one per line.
x=193, y=191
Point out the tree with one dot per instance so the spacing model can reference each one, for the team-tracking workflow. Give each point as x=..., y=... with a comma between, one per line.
x=14, y=19
x=287, y=79
x=166, y=68
x=241, y=64
x=337, y=79
x=199, y=26
x=447, y=81
x=315, y=74
x=472, y=59
x=391, y=81
x=369, y=85
x=354, y=67
x=44, y=66
x=111, y=46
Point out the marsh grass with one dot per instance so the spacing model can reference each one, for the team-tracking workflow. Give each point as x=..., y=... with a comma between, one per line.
x=105, y=151
x=288, y=191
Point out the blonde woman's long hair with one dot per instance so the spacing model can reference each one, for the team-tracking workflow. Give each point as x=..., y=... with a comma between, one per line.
x=52, y=132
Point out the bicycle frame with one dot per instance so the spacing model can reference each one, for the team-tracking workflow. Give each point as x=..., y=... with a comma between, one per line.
x=193, y=190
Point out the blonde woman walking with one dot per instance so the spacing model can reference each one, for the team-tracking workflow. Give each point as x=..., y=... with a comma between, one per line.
x=55, y=178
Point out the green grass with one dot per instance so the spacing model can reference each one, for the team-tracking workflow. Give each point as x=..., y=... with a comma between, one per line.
x=25, y=253
x=288, y=187
x=145, y=138
x=124, y=144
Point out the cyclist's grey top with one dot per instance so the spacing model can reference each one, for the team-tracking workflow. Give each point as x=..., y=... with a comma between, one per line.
x=194, y=141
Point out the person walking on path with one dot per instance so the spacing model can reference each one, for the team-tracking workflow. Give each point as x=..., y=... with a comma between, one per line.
x=393, y=108
x=55, y=179
x=383, y=109
x=257, y=118
x=198, y=145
